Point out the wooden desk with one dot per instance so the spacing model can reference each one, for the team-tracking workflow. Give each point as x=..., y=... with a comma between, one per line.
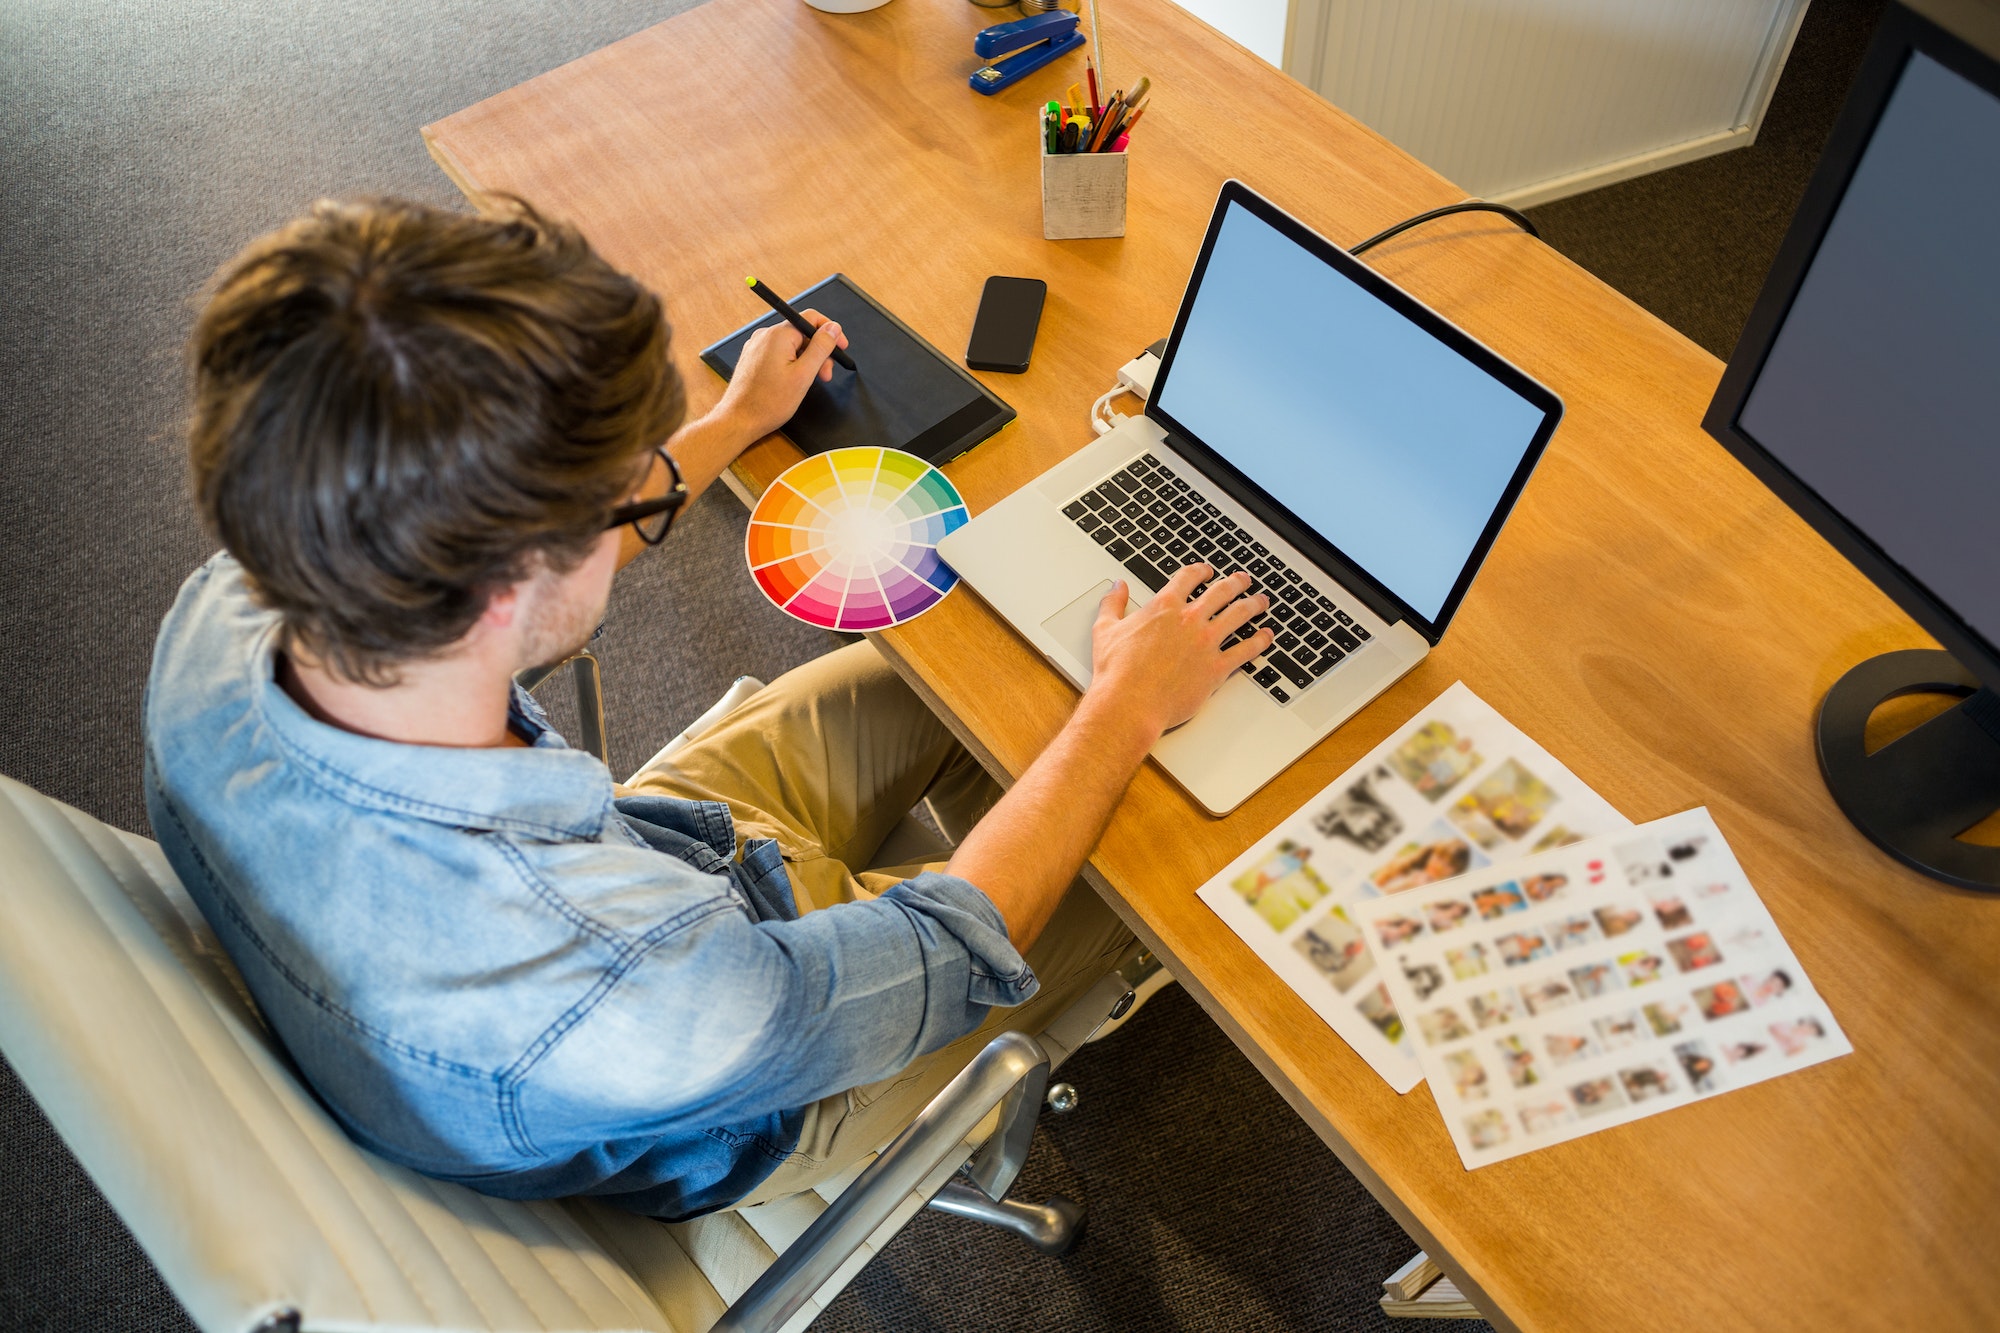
x=1651, y=615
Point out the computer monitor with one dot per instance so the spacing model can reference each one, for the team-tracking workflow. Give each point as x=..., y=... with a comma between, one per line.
x=1866, y=393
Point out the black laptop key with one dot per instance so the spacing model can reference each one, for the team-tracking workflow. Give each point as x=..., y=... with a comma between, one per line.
x=1119, y=551
x=1343, y=617
x=1288, y=641
x=1259, y=568
x=1158, y=508
x=1278, y=693
x=1315, y=640
x=1329, y=658
x=1075, y=509
x=1260, y=548
x=1088, y=522
x=1152, y=550
x=1267, y=677
x=1356, y=627
x=1103, y=535
x=1146, y=572
x=1347, y=641
x=1279, y=611
x=1292, y=671
x=1322, y=620
x=1124, y=477
x=1124, y=527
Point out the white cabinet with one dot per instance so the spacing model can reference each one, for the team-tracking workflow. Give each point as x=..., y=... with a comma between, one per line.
x=1530, y=100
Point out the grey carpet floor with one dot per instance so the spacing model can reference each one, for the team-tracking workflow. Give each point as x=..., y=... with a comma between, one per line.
x=1692, y=243
x=140, y=145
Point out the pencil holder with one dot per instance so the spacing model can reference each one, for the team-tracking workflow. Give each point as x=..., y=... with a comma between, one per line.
x=1083, y=194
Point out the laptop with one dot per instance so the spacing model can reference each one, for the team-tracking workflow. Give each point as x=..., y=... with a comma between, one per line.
x=1309, y=422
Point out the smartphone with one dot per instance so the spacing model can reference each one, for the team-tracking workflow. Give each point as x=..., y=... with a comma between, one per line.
x=1003, y=332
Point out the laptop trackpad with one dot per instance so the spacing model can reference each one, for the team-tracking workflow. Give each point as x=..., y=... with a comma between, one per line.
x=1071, y=626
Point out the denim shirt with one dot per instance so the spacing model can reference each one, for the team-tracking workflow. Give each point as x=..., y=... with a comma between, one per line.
x=492, y=972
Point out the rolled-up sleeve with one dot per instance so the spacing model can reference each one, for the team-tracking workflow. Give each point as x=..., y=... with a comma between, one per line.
x=997, y=972
x=724, y=1017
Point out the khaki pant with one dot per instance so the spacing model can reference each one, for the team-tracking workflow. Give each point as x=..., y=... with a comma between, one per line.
x=827, y=760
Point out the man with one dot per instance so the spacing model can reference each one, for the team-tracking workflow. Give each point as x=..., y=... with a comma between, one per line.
x=427, y=441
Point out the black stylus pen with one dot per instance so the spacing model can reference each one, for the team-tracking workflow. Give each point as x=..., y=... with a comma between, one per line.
x=794, y=318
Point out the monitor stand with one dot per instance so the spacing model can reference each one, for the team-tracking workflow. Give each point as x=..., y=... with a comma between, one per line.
x=1916, y=794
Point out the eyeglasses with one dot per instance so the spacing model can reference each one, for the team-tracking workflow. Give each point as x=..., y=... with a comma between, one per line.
x=651, y=519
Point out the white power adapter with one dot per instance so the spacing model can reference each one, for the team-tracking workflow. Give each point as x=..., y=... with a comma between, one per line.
x=1135, y=377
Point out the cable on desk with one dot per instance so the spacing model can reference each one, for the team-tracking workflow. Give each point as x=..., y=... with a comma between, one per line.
x=1513, y=215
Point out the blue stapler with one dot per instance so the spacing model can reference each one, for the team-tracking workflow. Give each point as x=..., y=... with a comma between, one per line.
x=1044, y=37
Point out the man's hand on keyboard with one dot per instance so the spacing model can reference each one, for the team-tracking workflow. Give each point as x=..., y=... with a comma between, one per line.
x=1153, y=669
x=1164, y=659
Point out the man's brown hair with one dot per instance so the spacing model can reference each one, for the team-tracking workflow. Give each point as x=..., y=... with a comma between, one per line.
x=397, y=407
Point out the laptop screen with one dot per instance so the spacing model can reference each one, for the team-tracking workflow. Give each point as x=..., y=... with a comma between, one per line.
x=1374, y=425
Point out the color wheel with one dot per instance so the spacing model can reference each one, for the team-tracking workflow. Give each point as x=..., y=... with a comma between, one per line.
x=848, y=539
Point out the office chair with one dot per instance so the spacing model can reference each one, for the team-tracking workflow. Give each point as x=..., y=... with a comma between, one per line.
x=135, y=1034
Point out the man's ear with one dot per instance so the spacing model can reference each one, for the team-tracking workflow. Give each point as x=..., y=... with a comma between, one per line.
x=503, y=605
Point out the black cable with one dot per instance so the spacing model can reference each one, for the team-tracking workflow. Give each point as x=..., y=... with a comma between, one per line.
x=1469, y=206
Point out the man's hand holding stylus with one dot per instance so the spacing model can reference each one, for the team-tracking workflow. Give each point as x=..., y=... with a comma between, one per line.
x=778, y=365
x=776, y=369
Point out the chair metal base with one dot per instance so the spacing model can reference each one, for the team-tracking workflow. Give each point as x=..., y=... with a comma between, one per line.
x=1053, y=1227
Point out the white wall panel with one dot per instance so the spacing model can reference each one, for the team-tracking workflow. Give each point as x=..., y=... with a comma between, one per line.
x=1529, y=100
x=1258, y=24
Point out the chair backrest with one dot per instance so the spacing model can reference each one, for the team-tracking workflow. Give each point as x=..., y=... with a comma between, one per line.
x=127, y=1022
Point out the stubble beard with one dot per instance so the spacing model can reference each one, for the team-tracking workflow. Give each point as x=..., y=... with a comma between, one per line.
x=559, y=629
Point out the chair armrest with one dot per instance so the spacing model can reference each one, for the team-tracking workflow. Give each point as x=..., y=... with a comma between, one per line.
x=1000, y=1159
x=1012, y=1065
x=589, y=680
x=739, y=690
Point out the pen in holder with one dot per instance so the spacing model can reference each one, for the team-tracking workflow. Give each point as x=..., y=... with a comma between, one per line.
x=1083, y=194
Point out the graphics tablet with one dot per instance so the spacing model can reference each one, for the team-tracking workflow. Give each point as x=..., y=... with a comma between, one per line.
x=904, y=393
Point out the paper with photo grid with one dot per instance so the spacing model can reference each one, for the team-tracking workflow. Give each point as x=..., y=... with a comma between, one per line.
x=1594, y=985
x=1455, y=789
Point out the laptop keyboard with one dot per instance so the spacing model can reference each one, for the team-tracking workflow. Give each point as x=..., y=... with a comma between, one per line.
x=1153, y=523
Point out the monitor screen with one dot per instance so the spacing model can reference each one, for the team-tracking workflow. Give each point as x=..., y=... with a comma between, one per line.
x=1381, y=436
x=1881, y=389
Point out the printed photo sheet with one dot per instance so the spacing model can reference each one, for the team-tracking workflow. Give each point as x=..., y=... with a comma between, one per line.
x=1594, y=985
x=1455, y=790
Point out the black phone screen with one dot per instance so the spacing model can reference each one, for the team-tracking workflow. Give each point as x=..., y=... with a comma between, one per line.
x=1003, y=333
